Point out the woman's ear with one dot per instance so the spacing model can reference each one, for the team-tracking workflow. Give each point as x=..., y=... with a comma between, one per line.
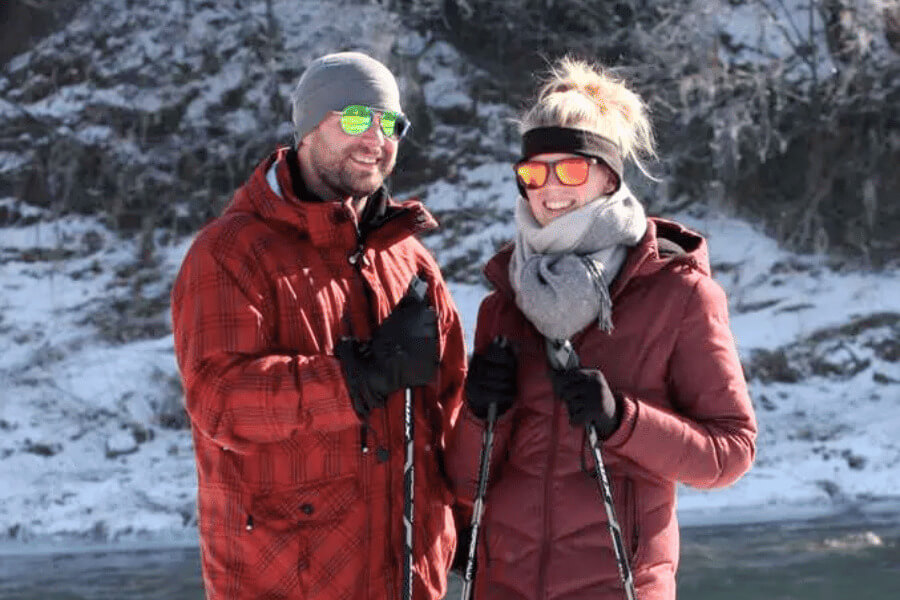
x=612, y=180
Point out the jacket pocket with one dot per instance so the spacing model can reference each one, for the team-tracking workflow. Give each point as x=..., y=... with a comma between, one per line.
x=314, y=504
x=296, y=534
x=631, y=526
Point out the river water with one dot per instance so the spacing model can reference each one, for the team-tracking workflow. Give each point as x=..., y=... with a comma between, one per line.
x=828, y=560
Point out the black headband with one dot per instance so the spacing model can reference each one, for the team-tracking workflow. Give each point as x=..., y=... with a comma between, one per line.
x=546, y=140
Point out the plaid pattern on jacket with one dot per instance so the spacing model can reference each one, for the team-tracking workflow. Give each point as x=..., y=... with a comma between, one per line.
x=297, y=497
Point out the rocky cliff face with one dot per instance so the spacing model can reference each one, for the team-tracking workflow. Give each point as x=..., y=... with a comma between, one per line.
x=151, y=113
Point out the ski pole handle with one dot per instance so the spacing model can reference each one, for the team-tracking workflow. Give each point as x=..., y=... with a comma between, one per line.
x=562, y=355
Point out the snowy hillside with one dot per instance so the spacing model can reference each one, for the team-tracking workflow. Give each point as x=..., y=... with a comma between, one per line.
x=92, y=444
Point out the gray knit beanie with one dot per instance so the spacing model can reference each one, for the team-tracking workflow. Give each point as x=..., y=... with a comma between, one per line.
x=335, y=81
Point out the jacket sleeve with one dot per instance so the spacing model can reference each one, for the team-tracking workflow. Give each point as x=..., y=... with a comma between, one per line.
x=240, y=390
x=466, y=437
x=709, y=440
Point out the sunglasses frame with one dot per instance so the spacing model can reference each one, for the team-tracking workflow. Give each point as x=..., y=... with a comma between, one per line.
x=399, y=118
x=551, y=168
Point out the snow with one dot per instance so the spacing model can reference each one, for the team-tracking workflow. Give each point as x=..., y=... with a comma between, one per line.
x=8, y=109
x=467, y=298
x=10, y=161
x=441, y=85
x=803, y=301
x=68, y=102
x=769, y=31
x=121, y=442
x=95, y=134
x=231, y=78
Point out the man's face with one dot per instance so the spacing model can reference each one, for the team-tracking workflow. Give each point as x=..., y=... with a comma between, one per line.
x=348, y=165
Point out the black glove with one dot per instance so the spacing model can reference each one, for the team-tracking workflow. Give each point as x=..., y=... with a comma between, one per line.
x=403, y=352
x=461, y=558
x=588, y=398
x=492, y=378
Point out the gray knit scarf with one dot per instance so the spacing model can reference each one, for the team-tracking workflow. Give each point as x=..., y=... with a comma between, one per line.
x=561, y=272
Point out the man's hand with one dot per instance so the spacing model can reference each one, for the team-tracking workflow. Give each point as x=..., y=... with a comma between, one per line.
x=403, y=352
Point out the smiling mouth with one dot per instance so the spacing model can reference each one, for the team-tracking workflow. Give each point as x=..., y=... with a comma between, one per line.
x=558, y=206
x=365, y=160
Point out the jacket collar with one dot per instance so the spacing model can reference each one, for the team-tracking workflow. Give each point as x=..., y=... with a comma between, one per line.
x=272, y=194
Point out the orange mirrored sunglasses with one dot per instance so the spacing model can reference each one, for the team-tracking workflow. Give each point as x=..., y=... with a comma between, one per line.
x=533, y=174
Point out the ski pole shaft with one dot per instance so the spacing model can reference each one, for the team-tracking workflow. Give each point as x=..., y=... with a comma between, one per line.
x=615, y=531
x=478, y=509
x=417, y=289
x=562, y=356
x=408, y=488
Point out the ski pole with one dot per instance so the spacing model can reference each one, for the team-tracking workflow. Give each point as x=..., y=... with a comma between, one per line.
x=478, y=509
x=417, y=290
x=487, y=446
x=408, y=487
x=562, y=356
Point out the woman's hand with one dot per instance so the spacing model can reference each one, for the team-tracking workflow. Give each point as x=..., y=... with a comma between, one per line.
x=588, y=398
x=492, y=378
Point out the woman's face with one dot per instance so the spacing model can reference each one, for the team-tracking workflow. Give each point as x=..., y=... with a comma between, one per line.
x=555, y=199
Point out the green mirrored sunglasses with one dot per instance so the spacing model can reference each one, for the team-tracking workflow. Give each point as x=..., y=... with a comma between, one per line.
x=356, y=120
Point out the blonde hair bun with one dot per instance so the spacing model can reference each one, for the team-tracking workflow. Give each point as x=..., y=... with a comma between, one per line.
x=580, y=95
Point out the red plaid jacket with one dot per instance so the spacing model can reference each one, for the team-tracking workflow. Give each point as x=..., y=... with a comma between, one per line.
x=297, y=498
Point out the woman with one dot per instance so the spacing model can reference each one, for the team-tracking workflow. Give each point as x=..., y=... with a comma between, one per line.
x=659, y=377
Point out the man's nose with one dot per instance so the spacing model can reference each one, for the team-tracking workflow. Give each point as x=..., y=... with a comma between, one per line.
x=373, y=134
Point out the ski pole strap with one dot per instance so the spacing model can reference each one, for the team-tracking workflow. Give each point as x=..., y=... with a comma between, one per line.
x=561, y=354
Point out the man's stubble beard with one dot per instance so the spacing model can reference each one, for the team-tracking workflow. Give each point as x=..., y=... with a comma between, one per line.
x=339, y=177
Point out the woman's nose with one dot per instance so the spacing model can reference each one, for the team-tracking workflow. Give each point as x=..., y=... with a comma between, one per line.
x=552, y=182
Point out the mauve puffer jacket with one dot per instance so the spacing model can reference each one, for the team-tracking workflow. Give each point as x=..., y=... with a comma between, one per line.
x=687, y=418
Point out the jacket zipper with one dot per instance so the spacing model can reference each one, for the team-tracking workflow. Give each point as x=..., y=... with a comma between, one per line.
x=358, y=260
x=548, y=491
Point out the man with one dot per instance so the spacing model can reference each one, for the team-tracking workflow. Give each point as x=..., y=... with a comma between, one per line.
x=295, y=349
